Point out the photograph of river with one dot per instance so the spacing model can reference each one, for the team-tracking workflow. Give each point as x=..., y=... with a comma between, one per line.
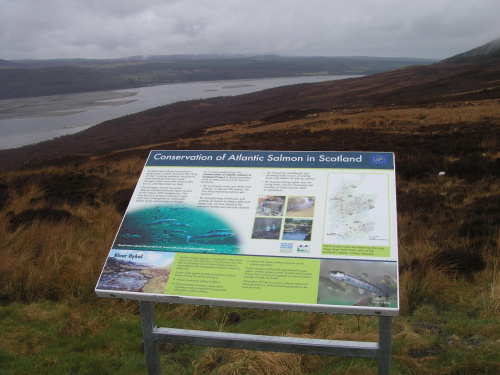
x=300, y=207
x=297, y=229
x=136, y=271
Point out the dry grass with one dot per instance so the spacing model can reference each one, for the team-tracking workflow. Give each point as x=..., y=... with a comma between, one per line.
x=389, y=120
x=53, y=262
x=47, y=259
x=426, y=284
x=489, y=298
x=448, y=240
x=232, y=362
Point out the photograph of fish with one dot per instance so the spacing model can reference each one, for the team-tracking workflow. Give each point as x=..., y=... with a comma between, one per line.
x=358, y=283
x=300, y=207
x=266, y=228
x=136, y=271
x=297, y=229
x=176, y=228
x=270, y=205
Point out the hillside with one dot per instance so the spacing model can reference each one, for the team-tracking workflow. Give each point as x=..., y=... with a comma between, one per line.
x=4, y=64
x=59, y=215
x=28, y=78
x=488, y=51
x=20, y=83
x=413, y=86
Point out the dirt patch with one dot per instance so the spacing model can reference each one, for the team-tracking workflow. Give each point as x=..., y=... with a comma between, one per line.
x=4, y=195
x=73, y=189
x=121, y=199
x=425, y=352
x=458, y=262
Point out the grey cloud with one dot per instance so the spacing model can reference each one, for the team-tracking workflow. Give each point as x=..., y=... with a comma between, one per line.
x=118, y=28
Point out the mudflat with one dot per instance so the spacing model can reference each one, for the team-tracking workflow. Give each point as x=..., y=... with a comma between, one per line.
x=61, y=105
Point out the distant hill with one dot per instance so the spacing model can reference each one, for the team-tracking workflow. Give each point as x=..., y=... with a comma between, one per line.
x=4, y=64
x=489, y=51
x=411, y=86
x=19, y=83
x=28, y=78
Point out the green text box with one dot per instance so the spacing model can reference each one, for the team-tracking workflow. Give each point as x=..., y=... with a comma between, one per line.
x=275, y=279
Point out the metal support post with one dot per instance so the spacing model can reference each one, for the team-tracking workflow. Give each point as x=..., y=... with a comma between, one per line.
x=153, y=334
x=151, y=350
x=385, y=345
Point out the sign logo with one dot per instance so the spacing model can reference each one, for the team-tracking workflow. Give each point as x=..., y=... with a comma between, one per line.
x=379, y=159
x=303, y=248
x=286, y=247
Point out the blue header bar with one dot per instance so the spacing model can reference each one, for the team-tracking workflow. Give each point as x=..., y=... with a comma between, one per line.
x=272, y=159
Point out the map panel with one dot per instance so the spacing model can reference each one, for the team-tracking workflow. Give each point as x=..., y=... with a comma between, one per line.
x=357, y=210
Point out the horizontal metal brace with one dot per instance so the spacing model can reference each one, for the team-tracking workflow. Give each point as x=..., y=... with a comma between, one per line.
x=267, y=343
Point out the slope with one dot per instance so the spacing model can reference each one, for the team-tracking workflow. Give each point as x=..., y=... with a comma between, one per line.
x=419, y=85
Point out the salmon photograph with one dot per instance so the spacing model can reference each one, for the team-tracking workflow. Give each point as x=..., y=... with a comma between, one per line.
x=358, y=283
x=175, y=228
x=324, y=199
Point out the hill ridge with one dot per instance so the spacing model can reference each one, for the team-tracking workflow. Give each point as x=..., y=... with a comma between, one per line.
x=412, y=86
x=488, y=51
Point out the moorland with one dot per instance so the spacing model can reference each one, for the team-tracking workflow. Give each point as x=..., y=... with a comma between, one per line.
x=61, y=203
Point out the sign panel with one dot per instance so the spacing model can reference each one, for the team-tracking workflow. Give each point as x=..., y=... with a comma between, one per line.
x=303, y=231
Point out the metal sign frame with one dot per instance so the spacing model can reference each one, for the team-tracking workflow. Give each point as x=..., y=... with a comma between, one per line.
x=152, y=335
x=195, y=213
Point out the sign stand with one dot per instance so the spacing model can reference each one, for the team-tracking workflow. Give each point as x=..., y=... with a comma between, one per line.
x=153, y=335
x=308, y=231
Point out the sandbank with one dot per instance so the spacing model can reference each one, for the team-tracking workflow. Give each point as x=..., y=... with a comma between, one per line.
x=61, y=105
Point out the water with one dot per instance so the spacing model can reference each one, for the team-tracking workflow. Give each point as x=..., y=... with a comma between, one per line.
x=130, y=280
x=165, y=227
x=32, y=120
x=296, y=235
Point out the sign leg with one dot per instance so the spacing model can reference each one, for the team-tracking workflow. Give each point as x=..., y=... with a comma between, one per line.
x=385, y=344
x=150, y=346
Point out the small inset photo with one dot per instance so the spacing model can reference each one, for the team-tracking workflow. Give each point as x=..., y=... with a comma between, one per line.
x=136, y=271
x=300, y=206
x=270, y=205
x=358, y=283
x=266, y=228
x=297, y=229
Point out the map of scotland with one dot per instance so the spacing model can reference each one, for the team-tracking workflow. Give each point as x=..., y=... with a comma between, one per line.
x=356, y=215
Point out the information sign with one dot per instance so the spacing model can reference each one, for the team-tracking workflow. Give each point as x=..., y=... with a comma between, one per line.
x=301, y=231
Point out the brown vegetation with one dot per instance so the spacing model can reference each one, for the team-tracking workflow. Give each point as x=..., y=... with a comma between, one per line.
x=456, y=214
x=58, y=222
x=409, y=87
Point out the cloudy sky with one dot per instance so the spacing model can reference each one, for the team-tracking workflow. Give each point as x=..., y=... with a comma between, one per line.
x=436, y=29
